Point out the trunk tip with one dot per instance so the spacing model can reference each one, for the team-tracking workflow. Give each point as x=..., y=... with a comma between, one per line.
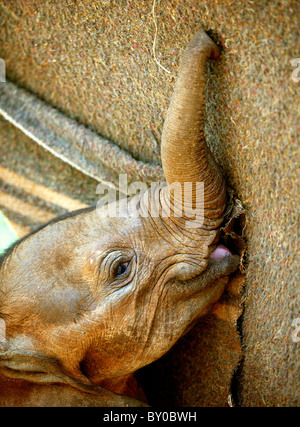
x=202, y=42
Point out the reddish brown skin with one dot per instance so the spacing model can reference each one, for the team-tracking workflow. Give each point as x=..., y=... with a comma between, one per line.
x=76, y=331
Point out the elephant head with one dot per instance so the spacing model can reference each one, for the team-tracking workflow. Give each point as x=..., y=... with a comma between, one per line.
x=89, y=298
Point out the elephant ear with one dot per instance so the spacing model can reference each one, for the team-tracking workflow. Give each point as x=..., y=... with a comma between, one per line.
x=185, y=155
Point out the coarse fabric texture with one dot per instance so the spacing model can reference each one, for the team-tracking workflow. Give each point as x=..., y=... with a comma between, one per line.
x=94, y=62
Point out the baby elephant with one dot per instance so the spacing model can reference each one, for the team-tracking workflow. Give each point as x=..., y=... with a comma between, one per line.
x=90, y=298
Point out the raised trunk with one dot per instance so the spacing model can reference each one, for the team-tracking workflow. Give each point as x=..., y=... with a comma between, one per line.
x=185, y=155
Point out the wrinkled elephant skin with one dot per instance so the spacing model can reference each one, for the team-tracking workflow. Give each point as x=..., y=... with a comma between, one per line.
x=88, y=299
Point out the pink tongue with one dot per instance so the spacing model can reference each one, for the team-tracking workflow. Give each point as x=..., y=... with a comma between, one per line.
x=220, y=252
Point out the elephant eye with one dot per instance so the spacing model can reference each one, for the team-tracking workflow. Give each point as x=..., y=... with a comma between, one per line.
x=121, y=269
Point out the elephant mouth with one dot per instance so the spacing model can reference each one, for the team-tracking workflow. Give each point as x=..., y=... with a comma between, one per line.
x=220, y=252
x=222, y=262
